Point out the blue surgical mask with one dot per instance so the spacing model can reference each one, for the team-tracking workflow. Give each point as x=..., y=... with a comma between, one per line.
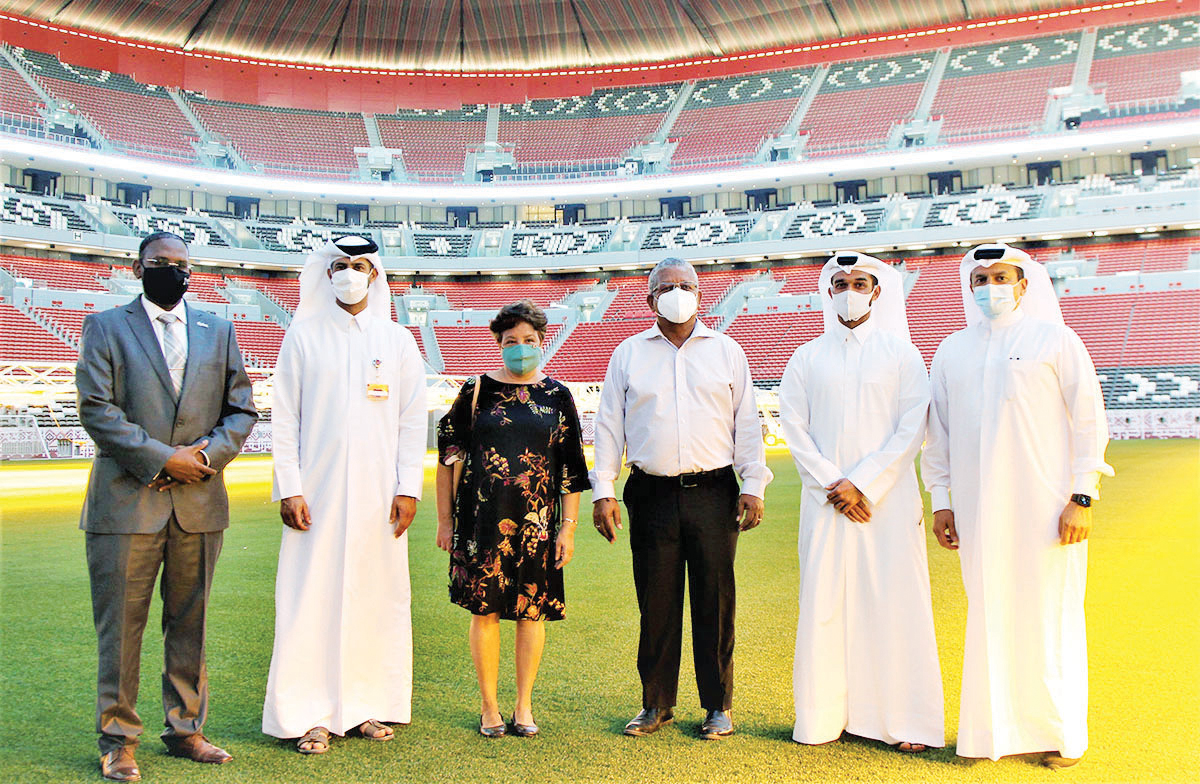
x=521, y=358
x=996, y=299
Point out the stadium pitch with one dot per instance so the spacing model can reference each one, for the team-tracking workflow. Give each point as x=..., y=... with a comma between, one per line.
x=1143, y=626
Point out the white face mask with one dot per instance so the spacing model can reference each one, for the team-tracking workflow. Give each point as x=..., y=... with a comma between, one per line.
x=350, y=285
x=996, y=299
x=678, y=305
x=851, y=305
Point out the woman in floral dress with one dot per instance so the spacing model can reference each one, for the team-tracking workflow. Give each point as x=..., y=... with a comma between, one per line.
x=510, y=528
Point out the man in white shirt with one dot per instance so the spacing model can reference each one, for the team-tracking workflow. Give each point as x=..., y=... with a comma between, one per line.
x=349, y=432
x=853, y=404
x=678, y=403
x=1015, y=450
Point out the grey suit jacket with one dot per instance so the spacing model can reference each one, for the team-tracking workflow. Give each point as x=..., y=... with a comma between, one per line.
x=128, y=407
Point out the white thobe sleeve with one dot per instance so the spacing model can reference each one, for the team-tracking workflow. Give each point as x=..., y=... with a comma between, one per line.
x=1085, y=409
x=875, y=474
x=815, y=469
x=609, y=425
x=935, y=460
x=414, y=421
x=285, y=419
x=749, y=454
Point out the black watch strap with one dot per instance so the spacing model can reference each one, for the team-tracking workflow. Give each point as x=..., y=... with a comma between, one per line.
x=1082, y=500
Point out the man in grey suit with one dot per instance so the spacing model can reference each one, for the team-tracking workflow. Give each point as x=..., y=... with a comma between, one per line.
x=163, y=393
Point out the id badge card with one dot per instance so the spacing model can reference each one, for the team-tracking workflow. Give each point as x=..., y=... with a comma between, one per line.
x=377, y=391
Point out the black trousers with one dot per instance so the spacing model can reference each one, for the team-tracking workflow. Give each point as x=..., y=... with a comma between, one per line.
x=674, y=524
x=123, y=569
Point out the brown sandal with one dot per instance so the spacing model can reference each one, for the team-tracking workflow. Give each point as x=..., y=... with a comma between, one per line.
x=312, y=738
x=912, y=748
x=375, y=730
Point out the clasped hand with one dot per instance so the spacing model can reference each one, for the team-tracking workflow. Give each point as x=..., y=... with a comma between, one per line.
x=184, y=467
x=849, y=500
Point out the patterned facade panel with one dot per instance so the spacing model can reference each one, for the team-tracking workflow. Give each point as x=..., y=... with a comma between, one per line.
x=559, y=243
x=697, y=233
x=1169, y=386
x=1146, y=37
x=34, y=212
x=443, y=244
x=193, y=231
x=982, y=210
x=1013, y=55
x=835, y=223
x=753, y=88
x=862, y=74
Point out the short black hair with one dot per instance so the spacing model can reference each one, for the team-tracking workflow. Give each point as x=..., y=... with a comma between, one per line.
x=512, y=315
x=155, y=237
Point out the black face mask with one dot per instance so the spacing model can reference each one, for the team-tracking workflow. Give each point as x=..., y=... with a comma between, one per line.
x=164, y=286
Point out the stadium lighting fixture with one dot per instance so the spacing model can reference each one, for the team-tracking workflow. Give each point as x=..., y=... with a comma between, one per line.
x=753, y=258
x=1051, y=237
x=917, y=247
x=1190, y=226
x=1099, y=233
x=790, y=256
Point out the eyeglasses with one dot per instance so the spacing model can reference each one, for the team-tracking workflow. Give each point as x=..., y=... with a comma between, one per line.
x=151, y=261
x=663, y=289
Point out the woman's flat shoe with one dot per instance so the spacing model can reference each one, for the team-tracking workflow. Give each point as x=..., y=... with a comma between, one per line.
x=523, y=730
x=499, y=731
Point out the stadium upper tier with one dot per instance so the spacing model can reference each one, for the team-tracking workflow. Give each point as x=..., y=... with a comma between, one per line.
x=1023, y=87
x=1093, y=203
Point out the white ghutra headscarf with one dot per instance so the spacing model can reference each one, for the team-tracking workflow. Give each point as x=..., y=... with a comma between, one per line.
x=1039, y=300
x=316, y=292
x=888, y=310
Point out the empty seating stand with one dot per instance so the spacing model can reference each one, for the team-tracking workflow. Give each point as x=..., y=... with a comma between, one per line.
x=27, y=341
x=493, y=295
x=58, y=273
x=472, y=350
x=286, y=141
x=434, y=142
x=16, y=96
x=194, y=230
x=581, y=130
x=860, y=101
x=1001, y=90
x=41, y=211
x=769, y=340
x=585, y=354
x=1144, y=61
x=137, y=117
x=726, y=120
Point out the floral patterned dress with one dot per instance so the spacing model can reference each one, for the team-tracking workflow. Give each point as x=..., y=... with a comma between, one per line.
x=522, y=454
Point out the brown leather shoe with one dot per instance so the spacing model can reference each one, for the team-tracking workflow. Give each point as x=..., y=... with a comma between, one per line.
x=119, y=765
x=196, y=748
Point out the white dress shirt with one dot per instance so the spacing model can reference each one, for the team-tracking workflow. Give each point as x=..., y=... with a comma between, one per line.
x=179, y=311
x=678, y=410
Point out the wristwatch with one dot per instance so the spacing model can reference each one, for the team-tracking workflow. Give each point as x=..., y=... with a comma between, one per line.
x=1083, y=500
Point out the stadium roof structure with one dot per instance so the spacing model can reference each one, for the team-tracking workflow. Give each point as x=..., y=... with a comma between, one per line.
x=463, y=35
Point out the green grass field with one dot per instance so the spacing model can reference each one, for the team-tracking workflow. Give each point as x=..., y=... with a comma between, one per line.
x=1143, y=626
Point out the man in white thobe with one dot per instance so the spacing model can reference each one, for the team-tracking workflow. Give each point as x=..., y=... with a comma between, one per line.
x=349, y=430
x=1015, y=450
x=853, y=404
